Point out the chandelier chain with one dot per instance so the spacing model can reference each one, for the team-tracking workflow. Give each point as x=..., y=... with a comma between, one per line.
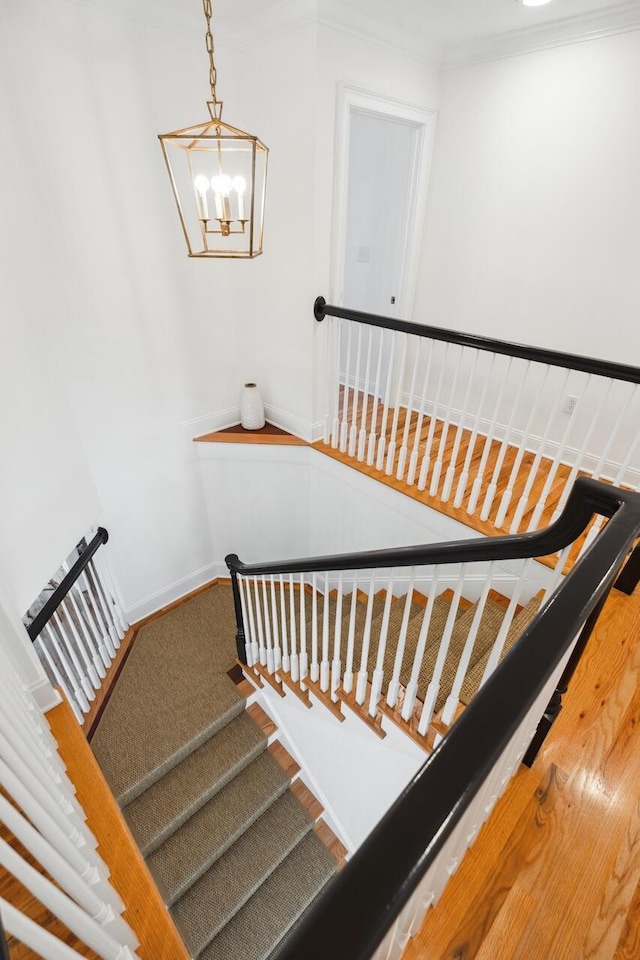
x=213, y=73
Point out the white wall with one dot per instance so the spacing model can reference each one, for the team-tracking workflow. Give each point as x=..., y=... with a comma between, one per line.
x=112, y=337
x=533, y=225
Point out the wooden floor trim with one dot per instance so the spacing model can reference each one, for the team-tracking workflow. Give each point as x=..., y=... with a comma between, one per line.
x=92, y=719
x=269, y=434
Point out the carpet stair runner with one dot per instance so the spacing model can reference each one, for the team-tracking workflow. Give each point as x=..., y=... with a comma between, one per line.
x=233, y=850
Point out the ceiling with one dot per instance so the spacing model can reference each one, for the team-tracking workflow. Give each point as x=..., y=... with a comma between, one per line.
x=445, y=22
x=451, y=31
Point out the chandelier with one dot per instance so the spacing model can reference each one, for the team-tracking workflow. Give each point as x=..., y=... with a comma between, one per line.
x=219, y=177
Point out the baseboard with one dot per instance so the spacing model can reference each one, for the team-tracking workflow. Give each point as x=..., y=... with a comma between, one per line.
x=207, y=424
x=177, y=590
x=289, y=422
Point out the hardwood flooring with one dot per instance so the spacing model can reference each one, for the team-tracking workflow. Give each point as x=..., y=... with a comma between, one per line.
x=555, y=872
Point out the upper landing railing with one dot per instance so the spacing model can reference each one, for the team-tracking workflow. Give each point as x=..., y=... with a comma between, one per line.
x=495, y=429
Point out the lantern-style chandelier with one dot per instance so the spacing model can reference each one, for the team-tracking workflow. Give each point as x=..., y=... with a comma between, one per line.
x=219, y=177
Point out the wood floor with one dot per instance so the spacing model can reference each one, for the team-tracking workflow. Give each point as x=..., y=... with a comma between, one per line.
x=509, y=458
x=555, y=873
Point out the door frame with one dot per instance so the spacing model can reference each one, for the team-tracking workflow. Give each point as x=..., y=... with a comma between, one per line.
x=353, y=99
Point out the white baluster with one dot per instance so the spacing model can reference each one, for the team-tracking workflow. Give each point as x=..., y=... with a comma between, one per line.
x=74, y=679
x=361, y=685
x=253, y=646
x=25, y=741
x=437, y=468
x=476, y=488
x=434, y=686
x=80, y=643
x=393, y=689
x=48, y=795
x=411, y=402
x=602, y=405
x=391, y=451
x=277, y=652
x=493, y=486
x=324, y=663
x=304, y=659
x=461, y=488
x=362, y=436
x=315, y=667
x=498, y=645
x=335, y=405
x=105, y=605
x=262, y=650
x=111, y=593
x=100, y=900
x=453, y=461
x=70, y=650
x=378, y=673
x=353, y=433
x=98, y=664
x=337, y=640
x=110, y=636
x=295, y=663
x=413, y=460
x=58, y=679
x=347, y=680
x=344, y=424
x=450, y=707
x=373, y=432
x=382, y=440
x=248, y=646
x=533, y=470
x=59, y=832
x=266, y=619
x=74, y=917
x=86, y=585
x=426, y=457
x=411, y=691
x=25, y=931
x=93, y=625
x=286, y=662
x=328, y=385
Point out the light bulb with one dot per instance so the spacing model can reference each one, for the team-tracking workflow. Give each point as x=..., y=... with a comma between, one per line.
x=226, y=185
x=239, y=185
x=201, y=183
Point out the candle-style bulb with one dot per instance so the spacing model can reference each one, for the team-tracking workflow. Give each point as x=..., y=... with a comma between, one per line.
x=201, y=184
x=240, y=185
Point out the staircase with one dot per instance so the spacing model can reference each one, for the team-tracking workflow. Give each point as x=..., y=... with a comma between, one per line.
x=227, y=831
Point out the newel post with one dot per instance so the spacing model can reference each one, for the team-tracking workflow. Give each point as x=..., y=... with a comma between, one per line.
x=232, y=560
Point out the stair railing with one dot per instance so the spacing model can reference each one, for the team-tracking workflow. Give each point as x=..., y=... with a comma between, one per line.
x=382, y=631
x=78, y=628
x=47, y=851
x=380, y=899
x=497, y=429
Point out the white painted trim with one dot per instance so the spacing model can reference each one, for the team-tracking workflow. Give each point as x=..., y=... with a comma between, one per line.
x=269, y=702
x=621, y=18
x=351, y=98
x=174, y=591
x=45, y=695
x=254, y=452
x=209, y=423
x=289, y=422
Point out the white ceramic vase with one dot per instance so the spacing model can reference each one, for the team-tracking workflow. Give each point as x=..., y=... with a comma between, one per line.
x=251, y=408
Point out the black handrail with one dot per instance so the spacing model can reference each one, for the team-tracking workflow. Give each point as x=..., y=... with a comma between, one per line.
x=41, y=619
x=586, y=498
x=601, y=368
x=352, y=917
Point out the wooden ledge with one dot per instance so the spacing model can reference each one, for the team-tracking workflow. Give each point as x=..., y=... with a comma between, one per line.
x=237, y=434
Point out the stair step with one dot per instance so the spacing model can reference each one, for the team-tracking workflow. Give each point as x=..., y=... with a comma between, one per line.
x=520, y=622
x=218, y=895
x=159, y=727
x=165, y=806
x=197, y=844
x=257, y=929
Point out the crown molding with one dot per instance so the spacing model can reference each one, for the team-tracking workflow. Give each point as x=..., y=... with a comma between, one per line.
x=622, y=18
